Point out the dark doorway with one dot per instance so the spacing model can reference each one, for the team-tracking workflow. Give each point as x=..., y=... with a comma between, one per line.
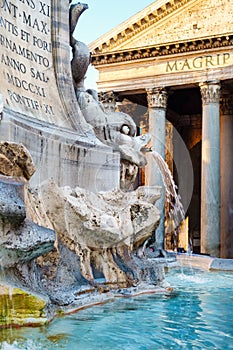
x=185, y=113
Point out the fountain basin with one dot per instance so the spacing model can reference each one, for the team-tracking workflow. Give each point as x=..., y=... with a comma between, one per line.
x=204, y=261
x=187, y=318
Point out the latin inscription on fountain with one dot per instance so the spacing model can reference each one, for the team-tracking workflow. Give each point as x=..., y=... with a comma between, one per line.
x=26, y=63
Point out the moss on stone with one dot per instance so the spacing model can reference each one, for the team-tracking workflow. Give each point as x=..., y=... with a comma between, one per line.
x=20, y=308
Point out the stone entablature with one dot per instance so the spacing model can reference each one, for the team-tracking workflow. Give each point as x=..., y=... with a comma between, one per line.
x=162, y=50
x=167, y=70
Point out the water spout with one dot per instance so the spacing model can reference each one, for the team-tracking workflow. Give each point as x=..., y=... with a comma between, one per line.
x=176, y=212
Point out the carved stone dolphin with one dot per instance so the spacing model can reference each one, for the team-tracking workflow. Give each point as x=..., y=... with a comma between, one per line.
x=81, y=54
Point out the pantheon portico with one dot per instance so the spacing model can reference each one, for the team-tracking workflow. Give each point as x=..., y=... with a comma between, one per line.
x=175, y=60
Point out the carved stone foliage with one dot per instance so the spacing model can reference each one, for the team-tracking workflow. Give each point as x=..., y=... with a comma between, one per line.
x=210, y=92
x=108, y=99
x=157, y=98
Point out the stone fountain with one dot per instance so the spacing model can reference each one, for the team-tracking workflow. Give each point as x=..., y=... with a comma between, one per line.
x=72, y=230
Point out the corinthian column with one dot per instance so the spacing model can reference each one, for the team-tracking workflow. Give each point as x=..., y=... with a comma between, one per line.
x=108, y=100
x=210, y=178
x=157, y=105
x=226, y=184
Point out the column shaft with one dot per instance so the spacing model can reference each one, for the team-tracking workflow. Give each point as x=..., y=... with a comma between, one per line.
x=226, y=184
x=157, y=103
x=210, y=177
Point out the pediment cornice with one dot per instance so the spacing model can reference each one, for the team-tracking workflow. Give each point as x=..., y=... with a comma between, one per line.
x=162, y=50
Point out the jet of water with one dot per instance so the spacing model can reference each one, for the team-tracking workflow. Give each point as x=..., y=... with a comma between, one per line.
x=176, y=211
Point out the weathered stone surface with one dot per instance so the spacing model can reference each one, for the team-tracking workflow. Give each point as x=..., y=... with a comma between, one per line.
x=24, y=243
x=99, y=220
x=81, y=54
x=97, y=237
x=15, y=160
x=12, y=209
x=191, y=22
x=116, y=129
x=31, y=45
x=102, y=230
x=1, y=105
x=20, y=239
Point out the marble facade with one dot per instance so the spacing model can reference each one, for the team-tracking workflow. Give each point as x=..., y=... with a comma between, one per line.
x=184, y=48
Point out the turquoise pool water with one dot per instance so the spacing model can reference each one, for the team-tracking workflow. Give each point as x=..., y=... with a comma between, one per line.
x=197, y=315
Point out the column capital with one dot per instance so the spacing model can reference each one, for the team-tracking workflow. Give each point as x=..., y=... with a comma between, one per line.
x=210, y=92
x=226, y=102
x=108, y=99
x=157, y=98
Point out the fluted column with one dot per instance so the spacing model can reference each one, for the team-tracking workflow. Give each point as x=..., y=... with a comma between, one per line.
x=157, y=105
x=210, y=178
x=226, y=183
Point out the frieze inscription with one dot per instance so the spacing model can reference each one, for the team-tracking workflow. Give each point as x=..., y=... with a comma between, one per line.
x=199, y=62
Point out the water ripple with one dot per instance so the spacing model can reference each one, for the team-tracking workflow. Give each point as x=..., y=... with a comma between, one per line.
x=196, y=316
